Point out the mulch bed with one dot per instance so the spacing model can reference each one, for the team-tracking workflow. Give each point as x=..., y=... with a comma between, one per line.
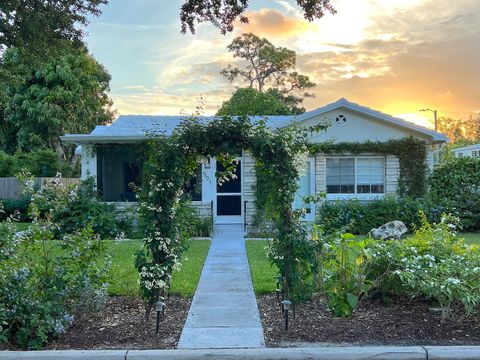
x=122, y=325
x=403, y=321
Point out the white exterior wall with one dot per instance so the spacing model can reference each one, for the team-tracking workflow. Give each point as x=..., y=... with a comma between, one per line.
x=89, y=162
x=249, y=184
x=204, y=207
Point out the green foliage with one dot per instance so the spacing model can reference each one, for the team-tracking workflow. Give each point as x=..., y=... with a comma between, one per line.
x=41, y=26
x=267, y=67
x=42, y=283
x=16, y=207
x=251, y=102
x=359, y=217
x=172, y=161
x=436, y=264
x=68, y=94
x=455, y=188
x=344, y=270
x=262, y=269
x=412, y=154
x=40, y=163
x=224, y=13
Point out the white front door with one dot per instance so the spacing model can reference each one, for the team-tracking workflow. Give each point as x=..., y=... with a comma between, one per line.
x=228, y=197
x=306, y=188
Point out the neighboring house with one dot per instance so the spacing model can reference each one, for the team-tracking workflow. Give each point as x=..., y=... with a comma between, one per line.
x=469, y=151
x=109, y=155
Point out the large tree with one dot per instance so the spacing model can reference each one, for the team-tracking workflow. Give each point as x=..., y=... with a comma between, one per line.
x=264, y=66
x=68, y=95
x=41, y=25
x=224, y=13
x=459, y=130
x=251, y=102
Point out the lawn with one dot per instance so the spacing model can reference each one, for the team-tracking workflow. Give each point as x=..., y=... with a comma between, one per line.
x=263, y=273
x=124, y=276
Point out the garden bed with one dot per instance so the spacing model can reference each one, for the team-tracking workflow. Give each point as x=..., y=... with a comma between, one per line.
x=122, y=325
x=404, y=321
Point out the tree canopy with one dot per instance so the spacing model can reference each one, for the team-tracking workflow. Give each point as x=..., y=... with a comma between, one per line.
x=268, y=68
x=69, y=94
x=224, y=13
x=251, y=102
x=41, y=25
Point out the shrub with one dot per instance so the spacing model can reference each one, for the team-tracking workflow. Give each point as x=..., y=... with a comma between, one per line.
x=435, y=264
x=16, y=207
x=455, y=188
x=40, y=163
x=359, y=217
x=344, y=276
x=43, y=281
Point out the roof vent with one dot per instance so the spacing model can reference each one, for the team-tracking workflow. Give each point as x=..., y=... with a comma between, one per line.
x=341, y=118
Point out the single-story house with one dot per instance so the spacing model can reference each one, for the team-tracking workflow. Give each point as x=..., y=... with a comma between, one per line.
x=468, y=151
x=108, y=154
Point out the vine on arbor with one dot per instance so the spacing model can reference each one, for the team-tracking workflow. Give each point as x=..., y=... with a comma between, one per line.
x=280, y=155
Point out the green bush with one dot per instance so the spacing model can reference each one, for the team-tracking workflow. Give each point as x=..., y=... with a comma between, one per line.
x=455, y=189
x=44, y=281
x=344, y=270
x=16, y=207
x=434, y=263
x=40, y=163
x=359, y=217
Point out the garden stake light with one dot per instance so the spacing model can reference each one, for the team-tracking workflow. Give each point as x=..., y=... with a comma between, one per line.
x=279, y=278
x=160, y=308
x=286, y=305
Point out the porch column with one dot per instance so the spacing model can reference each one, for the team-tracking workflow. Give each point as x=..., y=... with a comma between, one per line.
x=89, y=162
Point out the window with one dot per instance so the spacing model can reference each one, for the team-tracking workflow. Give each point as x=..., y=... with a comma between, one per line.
x=356, y=175
x=340, y=175
x=460, y=154
x=474, y=153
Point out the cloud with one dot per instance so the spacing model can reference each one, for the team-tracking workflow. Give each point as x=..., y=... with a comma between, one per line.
x=271, y=23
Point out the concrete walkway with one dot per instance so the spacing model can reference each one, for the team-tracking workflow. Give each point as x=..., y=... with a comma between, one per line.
x=224, y=311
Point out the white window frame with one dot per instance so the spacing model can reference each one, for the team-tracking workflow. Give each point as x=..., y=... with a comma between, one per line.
x=356, y=195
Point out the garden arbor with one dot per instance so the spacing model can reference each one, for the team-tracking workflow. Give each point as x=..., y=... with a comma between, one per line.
x=170, y=163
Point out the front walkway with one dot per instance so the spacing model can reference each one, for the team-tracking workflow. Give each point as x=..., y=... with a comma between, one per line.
x=224, y=311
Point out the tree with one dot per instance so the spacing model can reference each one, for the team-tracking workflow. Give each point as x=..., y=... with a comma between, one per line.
x=40, y=25
x=68, y=95
x=224, y=13
x=266, y=67
x=251, y=102
x=460, y=129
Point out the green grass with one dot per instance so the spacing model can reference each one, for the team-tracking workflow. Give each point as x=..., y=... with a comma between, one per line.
x=263, y=272
x=22, y=225
x=471, y=238
x=124, y=276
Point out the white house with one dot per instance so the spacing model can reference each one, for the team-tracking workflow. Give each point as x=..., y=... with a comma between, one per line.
x=109, y=155
x=469, y=151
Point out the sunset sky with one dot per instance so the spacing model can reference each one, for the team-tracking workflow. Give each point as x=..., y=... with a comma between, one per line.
x=397, y=56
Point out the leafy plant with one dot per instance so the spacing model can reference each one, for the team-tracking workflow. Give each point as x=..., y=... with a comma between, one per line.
x=44, y=281
x=344, y=270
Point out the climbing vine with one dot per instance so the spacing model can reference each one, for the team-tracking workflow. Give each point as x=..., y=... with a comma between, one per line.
x=172, y=161
x=411, y=152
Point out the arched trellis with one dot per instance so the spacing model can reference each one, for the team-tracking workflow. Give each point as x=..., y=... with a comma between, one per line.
x=172, y=161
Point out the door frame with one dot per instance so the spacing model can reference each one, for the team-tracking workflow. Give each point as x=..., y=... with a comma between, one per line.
x=228, y=219
x=310, y=217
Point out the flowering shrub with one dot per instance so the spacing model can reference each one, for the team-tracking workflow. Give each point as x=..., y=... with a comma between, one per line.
x=42, y=280
x=436, y=264
x=344, y=270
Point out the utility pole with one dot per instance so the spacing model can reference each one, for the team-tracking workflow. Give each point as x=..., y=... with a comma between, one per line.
x=435, y=120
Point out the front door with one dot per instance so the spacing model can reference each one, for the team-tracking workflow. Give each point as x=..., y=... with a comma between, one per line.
x=228, y=207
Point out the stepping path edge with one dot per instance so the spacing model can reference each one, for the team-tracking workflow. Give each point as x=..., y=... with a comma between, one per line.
x=224, y=312
x=317, y=353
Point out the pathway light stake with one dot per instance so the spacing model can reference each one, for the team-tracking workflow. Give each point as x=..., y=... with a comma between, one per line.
x=279, y=279
x=286, y=305
x=159, y=308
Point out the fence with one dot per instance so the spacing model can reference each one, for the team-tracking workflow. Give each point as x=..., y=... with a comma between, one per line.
x=11, y=188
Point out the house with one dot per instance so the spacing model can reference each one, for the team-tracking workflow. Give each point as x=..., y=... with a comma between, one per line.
x=109, y=155
x=469, y=151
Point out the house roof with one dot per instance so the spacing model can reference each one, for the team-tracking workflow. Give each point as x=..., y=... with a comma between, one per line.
x=469, y=147
x=134, y=128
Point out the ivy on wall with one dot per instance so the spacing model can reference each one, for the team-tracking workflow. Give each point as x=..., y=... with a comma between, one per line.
x=411, y=152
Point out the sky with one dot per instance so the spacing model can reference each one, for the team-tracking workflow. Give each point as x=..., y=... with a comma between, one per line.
x=396, y=56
